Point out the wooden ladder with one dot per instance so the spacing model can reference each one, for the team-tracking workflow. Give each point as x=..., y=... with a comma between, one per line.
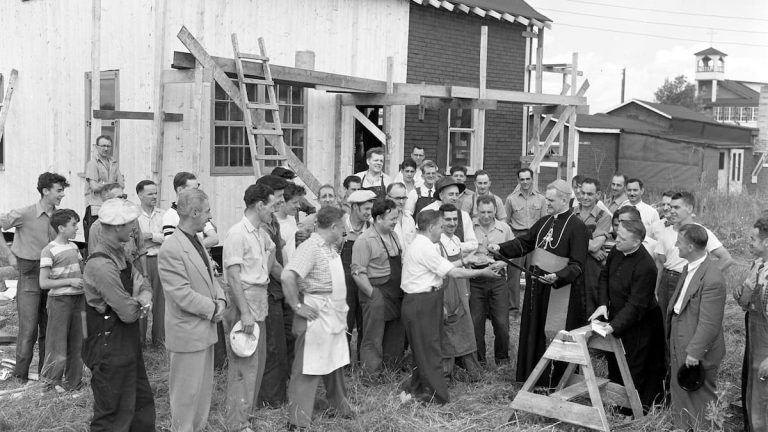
x=273, y=135
x=5, y=106
x=573, y=348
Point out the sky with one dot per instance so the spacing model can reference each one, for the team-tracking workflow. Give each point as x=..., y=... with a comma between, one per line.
x=593, y=28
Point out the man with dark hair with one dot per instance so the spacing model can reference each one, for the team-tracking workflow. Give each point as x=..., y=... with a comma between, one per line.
x=576, y=186
x=669, y=263
x=559, y=244
x=99, y=171
x=194, y=304
x=286, y=216
x=422, y=312
x=448, y=191
x=627, y=303
x=490, y=297
x=618, y=198
x=122, y=396
x=695, y=332
x=524, y=206
x=467, y=198
x=751, y=296
x=248, y=256
x=351, y=184
x=279, y=320
x=183, y=181
x=598, y=223
x=407, y=175
x=304, y=206
x=316, y=273
x=663, y=208
x=405, y=229
x=374, y=179
x=376, y=269
x=483, y=188
x=355, y=223
x=458, y=334
x=425, y=194
x=417, y=158
x=151, y=224
x=33, y=233
x=648, y=214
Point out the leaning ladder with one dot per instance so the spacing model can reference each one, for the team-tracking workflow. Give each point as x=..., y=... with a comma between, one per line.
x=273, y=135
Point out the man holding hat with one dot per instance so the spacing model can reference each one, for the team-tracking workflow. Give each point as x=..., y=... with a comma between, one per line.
x=248, y=256
x=355, y=223
x=122, y=397
x=448, y=191
x=194, y=304
x=695, y=332
x=376, y=268
x=558, y=243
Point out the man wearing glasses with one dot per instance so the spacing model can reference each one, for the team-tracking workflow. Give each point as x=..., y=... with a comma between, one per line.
x=99, y=172
x=405, y=229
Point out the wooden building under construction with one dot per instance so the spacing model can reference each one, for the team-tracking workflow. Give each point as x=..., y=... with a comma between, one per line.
x=455, y=77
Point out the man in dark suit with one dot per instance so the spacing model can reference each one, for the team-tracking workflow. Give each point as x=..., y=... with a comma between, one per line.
x=194, y=303
x=695, y=314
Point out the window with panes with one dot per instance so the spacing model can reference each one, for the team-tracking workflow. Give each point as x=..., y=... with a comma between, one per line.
x=230, y=153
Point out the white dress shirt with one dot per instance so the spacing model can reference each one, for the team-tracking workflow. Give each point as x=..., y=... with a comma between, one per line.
x=405, y=231
x=469, y=244
x=666, y=246
x=413, y=196
x=423, y=266
x=418, y=178
x=692, y=267
x=648, y=214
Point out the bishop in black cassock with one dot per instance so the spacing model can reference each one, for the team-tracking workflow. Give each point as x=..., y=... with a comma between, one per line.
x=561, y=233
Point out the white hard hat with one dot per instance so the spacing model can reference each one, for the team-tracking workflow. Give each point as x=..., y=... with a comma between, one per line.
x=242, y=343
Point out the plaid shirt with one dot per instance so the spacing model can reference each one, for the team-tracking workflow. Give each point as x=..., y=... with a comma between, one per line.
x=311, y=262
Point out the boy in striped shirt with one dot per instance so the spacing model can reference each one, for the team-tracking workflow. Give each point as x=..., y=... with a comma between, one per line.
x=61, y=274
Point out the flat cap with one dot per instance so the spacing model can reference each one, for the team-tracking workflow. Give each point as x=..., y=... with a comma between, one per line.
x=561, y=186
x=361, y=196
x=118, y=211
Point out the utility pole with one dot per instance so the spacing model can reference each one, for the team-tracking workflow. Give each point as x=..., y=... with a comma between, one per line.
x=623, y=82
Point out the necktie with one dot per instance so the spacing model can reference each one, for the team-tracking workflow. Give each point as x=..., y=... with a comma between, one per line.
x=430, y=193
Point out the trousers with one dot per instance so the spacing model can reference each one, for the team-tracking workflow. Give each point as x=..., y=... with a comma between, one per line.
x=63, y=360
x=190, y=388
x=33, y=317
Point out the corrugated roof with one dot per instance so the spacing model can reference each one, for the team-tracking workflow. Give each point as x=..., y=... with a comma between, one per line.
x=711, y=51
x=507, y=10
x=680, y=112
x=512, y=7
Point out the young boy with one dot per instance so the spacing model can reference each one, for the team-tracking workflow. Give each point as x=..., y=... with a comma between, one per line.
x=61, y=274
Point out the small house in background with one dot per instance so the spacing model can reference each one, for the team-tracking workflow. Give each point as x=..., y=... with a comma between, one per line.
x=667, y=147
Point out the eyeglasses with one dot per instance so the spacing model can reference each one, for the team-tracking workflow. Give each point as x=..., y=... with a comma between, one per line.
x=123, y=196
x=397, y=197
x=103, y=146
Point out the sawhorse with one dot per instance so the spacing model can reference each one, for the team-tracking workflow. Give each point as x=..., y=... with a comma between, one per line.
x=573, y=348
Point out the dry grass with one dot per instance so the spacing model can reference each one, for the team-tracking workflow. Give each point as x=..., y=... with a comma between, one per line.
x=482, y=406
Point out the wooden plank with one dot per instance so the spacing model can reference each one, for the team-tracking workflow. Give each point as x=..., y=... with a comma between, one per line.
x=543, y=149
x=263, y=106
x=565, y=351
x=576, y=390
x=615, y=394
x=95, y=68
x=253, y=57
x=529, y=34
x=591, y=381
x=626, y=377
x=309, y=78
x=447, y=5
x=247, y=115
x=173, y=76
x=7, y=100
x=158, y=88
x=572, y=151
x=380, y=99
x=136, y=115
x=527, y=159
x=387, y=121
x=372, y=128
x=286, y=74
x=507, y=17
x=563, y=410
x=456, y=103
x=492, y=13
x=477, y=154
x=478, y=11
x=226, y=84
x=523, y=20
x=464, y=8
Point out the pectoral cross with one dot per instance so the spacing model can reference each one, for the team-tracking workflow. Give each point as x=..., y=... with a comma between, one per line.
x=549, y=237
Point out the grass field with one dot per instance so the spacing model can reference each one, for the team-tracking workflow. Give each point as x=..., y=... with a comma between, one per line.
x=482, y=406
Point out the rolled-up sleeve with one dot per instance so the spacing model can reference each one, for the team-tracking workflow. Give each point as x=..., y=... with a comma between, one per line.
x=233, y=249
x=102, y=280
x=361, y=256
x=432, y=260
x=12, y=219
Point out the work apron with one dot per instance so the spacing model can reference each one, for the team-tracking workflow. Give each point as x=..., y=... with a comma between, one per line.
x=380, y=190
x=390, y=290
x=458, y=331
x=557, y=307
x=325, y=342
x=422, y=201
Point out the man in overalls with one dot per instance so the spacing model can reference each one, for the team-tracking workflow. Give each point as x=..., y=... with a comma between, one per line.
x=598, y=223
x=122, y=397
x=374, y=179
x=448, y=191
x=313, y=283
x=376, y=268
x=424, y=194
x=355, y=223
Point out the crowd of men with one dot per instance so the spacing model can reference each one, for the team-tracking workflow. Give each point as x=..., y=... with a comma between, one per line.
x=410, y=267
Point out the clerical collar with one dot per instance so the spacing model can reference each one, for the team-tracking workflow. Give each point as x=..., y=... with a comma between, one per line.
x=633, y=250
x=562, y=213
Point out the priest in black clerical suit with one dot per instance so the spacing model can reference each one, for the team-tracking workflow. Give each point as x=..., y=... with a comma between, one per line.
x=559, y=242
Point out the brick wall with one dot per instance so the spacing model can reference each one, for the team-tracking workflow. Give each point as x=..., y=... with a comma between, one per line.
x=444, y=48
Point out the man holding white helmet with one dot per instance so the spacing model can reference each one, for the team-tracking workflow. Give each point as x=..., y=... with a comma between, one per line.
x=248, y=255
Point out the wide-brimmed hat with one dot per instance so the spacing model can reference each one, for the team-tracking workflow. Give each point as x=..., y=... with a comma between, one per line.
x=242, y=343
x=448, y=181
x=690, y=378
